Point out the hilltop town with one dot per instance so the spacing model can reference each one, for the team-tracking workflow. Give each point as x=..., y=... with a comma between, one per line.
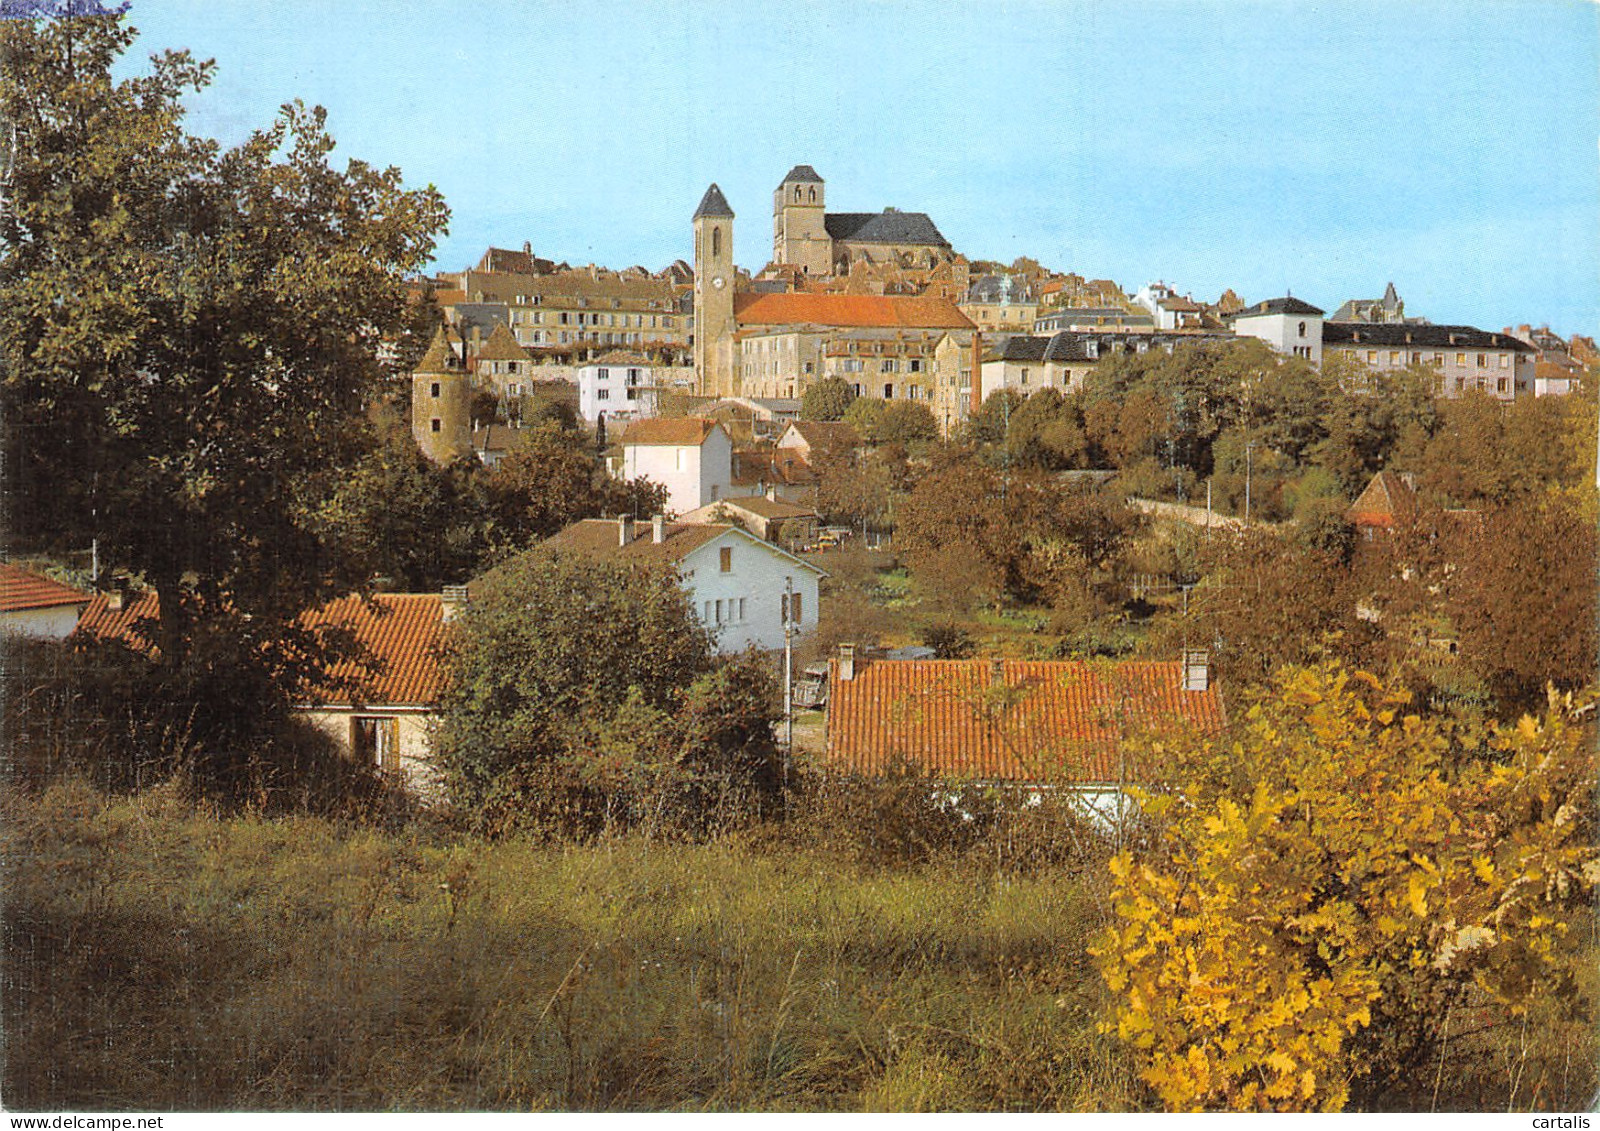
x=881, y=678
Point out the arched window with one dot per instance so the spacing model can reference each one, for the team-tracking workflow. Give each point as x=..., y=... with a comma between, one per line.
x=813, y=196
x=1302, y=329
x=797, y=194
x=716, y=241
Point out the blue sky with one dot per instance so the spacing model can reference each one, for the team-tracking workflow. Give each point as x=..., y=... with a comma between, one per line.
x=1322, y=149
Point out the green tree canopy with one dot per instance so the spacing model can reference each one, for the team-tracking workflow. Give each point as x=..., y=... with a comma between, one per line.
x=827, y=399
x=189, y=333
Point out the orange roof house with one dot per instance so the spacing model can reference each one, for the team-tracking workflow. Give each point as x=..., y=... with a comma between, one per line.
x=32, y=605
x=1061, y=722
x=1387, y=502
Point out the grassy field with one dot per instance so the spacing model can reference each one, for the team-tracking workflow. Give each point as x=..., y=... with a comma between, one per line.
x=161, y=958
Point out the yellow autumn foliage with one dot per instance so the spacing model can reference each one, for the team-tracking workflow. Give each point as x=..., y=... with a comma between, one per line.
x=1328, y=875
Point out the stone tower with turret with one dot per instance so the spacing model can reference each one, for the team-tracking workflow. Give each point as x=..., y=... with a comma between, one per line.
x=441, y=403
x=799, y=223
x=713, y=296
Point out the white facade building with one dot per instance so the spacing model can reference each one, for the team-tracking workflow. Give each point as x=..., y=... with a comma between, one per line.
x=741, y=588
x=620, y=385
x=1289, y=326
x=691, y=457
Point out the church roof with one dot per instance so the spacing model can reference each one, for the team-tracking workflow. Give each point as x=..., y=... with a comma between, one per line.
x=887, y=226
x=912, y=311
x=803, y=174
x=713, y=204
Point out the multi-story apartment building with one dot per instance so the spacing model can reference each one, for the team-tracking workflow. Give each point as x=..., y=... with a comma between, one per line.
x=1464, y=357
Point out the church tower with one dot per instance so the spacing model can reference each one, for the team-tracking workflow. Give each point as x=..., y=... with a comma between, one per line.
x=799, y=231
x=713, y=295
x=440, y=403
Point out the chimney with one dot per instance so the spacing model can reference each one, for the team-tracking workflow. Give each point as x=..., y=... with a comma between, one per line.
x=658, y=528
x=847, y=662
x=624, y=529
x=452, y=602
x=115, y=599
x=1196, y=669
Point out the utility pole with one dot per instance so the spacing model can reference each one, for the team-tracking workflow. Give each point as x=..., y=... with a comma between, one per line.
x=1248, y=448
x=788, y=674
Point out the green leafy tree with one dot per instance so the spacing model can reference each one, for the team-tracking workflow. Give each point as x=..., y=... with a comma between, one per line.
x=1328, y=881
x=827, y=399
x=907, y=422
x=189, y=333
x=552, y=479
x=864, y=415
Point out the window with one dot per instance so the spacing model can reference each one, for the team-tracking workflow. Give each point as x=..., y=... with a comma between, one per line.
x=436, y=424
x=741, y=610
x=888, y=366
x=810, y=368
x=725, y=559
x=434, y=392
x=1483, y=361
x=633, y=376
x=1505, y=361
x=1372, y=357
x=1500, y=385
x=719, y=612
x=605, y=395
x=375, y=740
x=564, y=320
x=716, y=241
x=1394, y=357
x=916, y=365
x=1302, y=329
x=888, y=392
x=796, y=607
x=1461, y=359
x=605, y=374
x=1024, y=376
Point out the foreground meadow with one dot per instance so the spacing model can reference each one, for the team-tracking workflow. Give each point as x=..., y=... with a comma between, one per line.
x=161, y=958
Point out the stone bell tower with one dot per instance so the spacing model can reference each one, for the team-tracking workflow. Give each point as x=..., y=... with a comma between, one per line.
x=799, y=227
x=713, y=296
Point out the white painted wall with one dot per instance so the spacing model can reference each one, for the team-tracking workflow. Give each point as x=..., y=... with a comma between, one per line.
x=693, y=475
x=757, y=576
x=1282, y=333
x=42, y=624
x=612, y=382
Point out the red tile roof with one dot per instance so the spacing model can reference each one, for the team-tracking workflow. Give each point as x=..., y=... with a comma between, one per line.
x=21, y=590
x=402, y=632
x=102, y=622
x=669, y=430
x=849, y=310
x=1042, y=721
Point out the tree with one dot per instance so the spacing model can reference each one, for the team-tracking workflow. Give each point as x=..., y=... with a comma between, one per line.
x=1522, y=597
x=573, y=682
x=1326, y=881
x=551, y=480
x=827, y=399
x=907, y=422
x=189, y=334
x=864, y=415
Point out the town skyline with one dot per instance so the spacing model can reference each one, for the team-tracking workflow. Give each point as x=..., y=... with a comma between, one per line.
x=1260, y=147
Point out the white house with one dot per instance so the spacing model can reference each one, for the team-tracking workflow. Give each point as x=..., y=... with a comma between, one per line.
x=35, y=606
x=619, y=384
x=1286, y=324
x=692, y=457
x=742, y=588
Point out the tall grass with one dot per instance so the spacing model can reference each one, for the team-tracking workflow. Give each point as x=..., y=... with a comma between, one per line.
x=160, y=957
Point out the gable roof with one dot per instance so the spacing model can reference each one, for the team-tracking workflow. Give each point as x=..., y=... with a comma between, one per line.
x=600, y=537
x=763, y=507
x=884, y=227
x=1039, y=720
x=502, y=346
x=21, y=590
x=401, y=632
x=713, y=203
x=1387, y=500
x=913, y=311
x=673, y=430
x=823, y=433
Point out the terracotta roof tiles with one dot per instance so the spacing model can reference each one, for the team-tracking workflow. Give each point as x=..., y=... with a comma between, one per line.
x=21, y=590
x=401, y=631
x=602, y=537
x=1040, y=721
x=674, y=430
x=916, y=311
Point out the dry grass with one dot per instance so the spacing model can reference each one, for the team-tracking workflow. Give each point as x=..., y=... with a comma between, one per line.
x=161, y=958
